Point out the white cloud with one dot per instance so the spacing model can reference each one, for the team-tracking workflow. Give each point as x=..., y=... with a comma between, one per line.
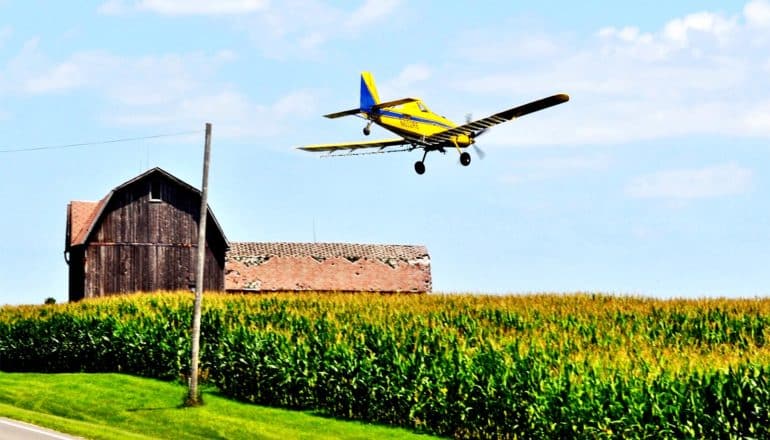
x=716, y=181
x=113, y=7
x=64, y=76
x=297, y=103
x=629, y=34
x=301, y=28
x=183, y=7
x=281, y=29
x=703, y=73
x=404, y=84
x=757, y=13
x=5, y=33
x=496, y=45
x=19, y=67
x=130, y=80
x=681, y=30
x=201, y=7
x=555, y=167
x=370, y=12
x=413, y=73
x=233, y=114
x=757, y=119
x=173, y=91
x=312, y=41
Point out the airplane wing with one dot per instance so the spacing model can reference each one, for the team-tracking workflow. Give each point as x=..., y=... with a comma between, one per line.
x=352, y=146
x=497, y=118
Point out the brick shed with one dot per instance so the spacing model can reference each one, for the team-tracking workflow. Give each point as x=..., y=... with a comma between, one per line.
x=327, y=267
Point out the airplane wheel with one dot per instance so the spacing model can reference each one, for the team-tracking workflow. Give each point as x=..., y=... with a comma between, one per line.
x=419, y=167
x=465, y=159
x=367, y=131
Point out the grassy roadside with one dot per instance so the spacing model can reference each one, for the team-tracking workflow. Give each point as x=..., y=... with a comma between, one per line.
x=114, y=406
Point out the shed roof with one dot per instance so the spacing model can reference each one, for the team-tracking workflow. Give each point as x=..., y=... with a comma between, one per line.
x=329, y=250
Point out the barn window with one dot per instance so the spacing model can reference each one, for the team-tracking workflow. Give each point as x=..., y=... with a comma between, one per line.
x=155, y=193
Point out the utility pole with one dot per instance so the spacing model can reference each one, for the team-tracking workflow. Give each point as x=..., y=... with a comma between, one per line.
x=193, y=397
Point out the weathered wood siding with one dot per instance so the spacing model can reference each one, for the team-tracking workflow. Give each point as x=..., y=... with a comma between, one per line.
x=140, y=244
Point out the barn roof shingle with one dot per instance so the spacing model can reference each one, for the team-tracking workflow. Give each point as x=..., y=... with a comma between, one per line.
x=81, y=216
x=329, y=250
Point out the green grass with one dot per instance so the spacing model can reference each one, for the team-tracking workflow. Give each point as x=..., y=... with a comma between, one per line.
x=114, y=406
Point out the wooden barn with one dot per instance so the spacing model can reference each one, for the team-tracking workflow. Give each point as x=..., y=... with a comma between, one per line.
x=142, y=236
x=327, y=267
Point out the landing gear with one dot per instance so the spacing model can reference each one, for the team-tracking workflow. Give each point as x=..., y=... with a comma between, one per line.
x=368, y=129
x=465, y=158
x=419, y=166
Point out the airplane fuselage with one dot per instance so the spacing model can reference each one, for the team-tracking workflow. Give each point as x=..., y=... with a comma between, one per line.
x=415, y=121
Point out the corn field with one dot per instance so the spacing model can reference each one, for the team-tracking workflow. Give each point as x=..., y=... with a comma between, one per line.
x=463, y=366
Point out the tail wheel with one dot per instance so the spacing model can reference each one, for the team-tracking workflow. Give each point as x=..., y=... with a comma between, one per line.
x=465, y=159
x=368, y=129
x=419, y=167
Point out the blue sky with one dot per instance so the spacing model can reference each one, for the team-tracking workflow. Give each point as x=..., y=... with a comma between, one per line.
x=653, y=180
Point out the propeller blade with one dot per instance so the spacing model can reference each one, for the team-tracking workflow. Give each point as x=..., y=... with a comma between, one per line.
x=468, y=120
x=479, y=152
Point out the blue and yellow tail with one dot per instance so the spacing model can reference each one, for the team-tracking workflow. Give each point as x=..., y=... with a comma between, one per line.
x=369, y=96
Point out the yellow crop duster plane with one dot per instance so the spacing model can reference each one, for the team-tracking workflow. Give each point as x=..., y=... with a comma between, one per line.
x=419, y=127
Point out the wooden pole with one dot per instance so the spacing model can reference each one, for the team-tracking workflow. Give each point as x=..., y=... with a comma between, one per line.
x=193, y=397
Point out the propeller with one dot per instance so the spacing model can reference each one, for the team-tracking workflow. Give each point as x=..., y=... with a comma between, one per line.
x=479, y=151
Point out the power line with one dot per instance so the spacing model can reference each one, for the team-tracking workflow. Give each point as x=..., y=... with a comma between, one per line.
x=86, y=144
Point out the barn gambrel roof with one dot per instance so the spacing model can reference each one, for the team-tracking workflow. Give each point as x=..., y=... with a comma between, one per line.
x=83, y=216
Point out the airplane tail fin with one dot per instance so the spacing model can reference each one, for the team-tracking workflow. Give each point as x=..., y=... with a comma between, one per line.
x=369, y=96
